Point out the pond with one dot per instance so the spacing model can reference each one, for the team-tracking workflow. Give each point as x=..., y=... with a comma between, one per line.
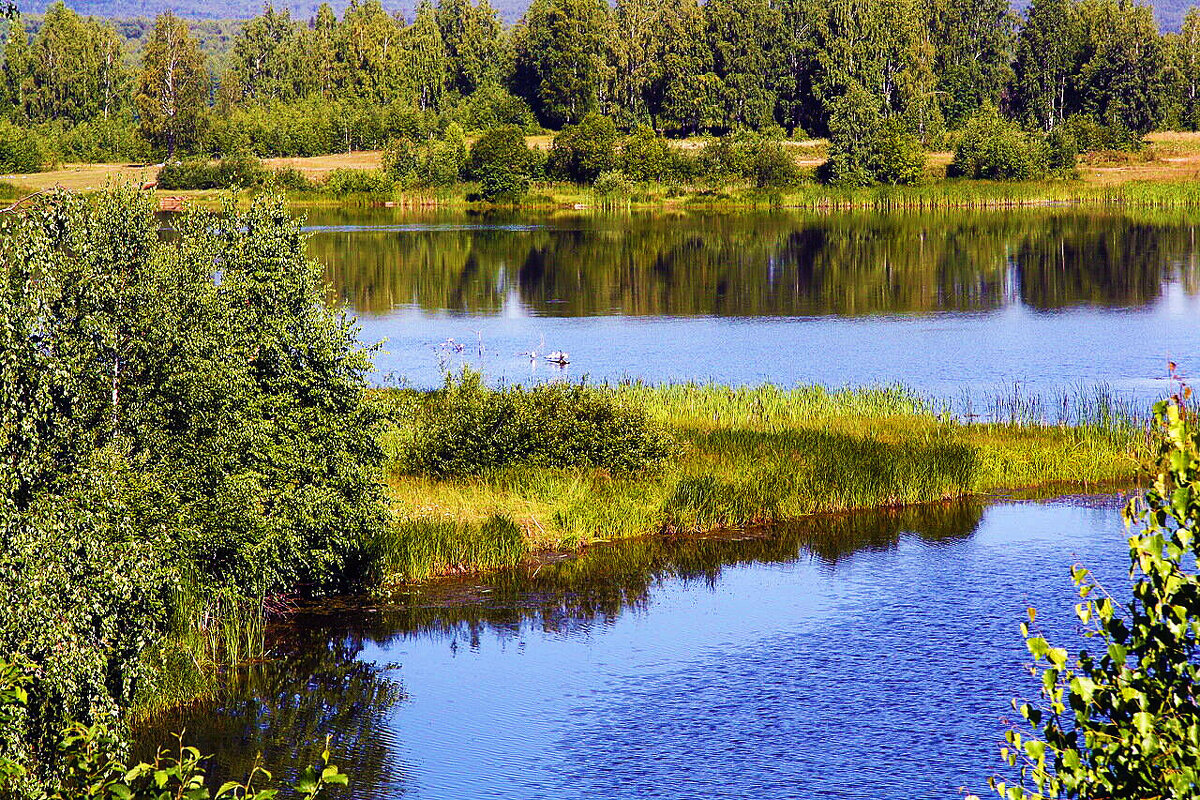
x=867, y=655
x=945, y=302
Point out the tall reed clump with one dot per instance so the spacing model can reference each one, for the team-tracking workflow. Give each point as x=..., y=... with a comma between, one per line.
x=211, y=632
x=416, y=549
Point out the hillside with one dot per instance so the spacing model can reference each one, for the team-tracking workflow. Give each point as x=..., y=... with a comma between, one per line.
x=510, y=10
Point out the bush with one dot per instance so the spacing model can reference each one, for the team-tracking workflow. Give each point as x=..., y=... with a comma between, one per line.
x=994, y=148
x=612, y=185
x=647, y=157
x=344, y=181
x=20, y=149
x=242, y=172
x=748, y=156
x=467, y=429
x=100, y=140
x=896, y=157
x=771, y=165
x=1120, y=720
x=866, y=149
x=1088, y=135
x=180, y=427
x=434, y=162
x=493, y=107
x=581, y=152
x=503, y=165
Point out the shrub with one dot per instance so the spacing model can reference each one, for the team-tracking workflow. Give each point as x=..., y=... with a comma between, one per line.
x=1120, y=720
x=434, y=162
x=994, y=148
x=344, y=181
x=199, y=173
x=612, y=185
x=100, y=140
x=493, y=107
x=1089, y=135
x=20, y=149
x=896, y=156
x=755, y=157
x=502, y=164
x=581, y=152
x=466, y=428
x=770, y=164
x=866, y=149
x=647, y=157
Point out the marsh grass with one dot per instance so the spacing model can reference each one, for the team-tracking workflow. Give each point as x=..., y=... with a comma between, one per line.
x=743, y=456
x=416, y=549
x=212, y=631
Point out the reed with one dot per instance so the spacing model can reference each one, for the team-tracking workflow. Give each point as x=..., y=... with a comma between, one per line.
x=212, y=631
x=415, y=549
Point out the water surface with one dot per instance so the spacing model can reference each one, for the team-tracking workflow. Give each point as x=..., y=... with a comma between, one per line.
x=871, y=655
x=943, y=302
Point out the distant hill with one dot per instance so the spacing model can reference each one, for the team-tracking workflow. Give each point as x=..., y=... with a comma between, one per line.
x=510, y=10
x=1170, y=12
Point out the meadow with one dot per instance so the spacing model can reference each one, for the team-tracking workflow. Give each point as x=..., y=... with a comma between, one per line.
x=712, y=457
x=1162, y=174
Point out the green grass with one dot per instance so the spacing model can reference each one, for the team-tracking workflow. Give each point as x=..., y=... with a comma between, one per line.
x=212, y=631
x=759, y=455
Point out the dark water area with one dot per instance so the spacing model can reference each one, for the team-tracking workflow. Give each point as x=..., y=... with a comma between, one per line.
x=864, y=656
x=944, y=302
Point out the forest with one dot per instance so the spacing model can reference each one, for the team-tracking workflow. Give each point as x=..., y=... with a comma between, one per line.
x=1099, y=72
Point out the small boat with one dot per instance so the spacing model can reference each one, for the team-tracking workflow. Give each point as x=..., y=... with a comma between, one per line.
x=559, y=357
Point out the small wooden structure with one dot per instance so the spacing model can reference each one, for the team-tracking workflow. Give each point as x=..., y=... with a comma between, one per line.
x=170, y=204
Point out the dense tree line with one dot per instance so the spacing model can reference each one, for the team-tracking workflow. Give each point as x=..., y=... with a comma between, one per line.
x=292, y=86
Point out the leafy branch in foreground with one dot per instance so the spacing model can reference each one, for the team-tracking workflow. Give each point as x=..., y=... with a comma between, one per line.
x=95, y=768
x=1122, y=720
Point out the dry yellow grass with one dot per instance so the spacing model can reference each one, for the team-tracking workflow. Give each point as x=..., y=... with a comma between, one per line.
x=1171, y=157
x=85, y=177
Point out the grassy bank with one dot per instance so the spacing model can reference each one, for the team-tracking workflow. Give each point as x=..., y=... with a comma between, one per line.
x=731, y=458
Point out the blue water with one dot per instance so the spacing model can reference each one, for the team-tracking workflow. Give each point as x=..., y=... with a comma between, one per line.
x=878, y=664
x=945, y=303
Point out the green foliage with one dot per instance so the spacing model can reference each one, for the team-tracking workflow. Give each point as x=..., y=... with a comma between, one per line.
x=468, y=429
x=1086, y=134
x=503, y=165
x=493, y=107
x=866, y=149
x=647, y=157
x=73, y=70
x=1120, y=720
x=157, y=420
x=98, y=140
x=342, y=181
x=758, y=158
x=20, y=149
x=994, y=148
x=172, y=90
x=439, y=161
x=199, y=173
x=581, y=152
x=93, y=765
x=612, y=185
x=560, y=48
